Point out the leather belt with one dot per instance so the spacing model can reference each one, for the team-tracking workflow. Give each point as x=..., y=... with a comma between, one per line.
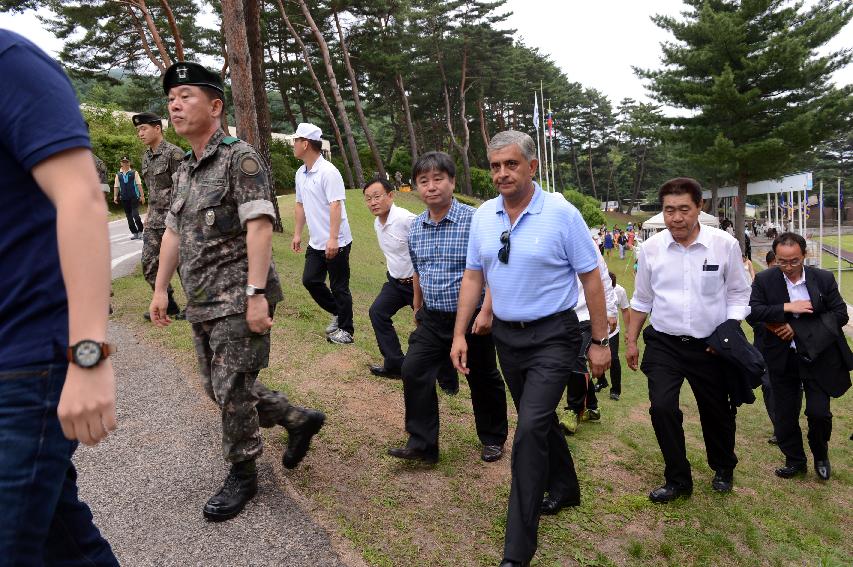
x=405, y=281
x=528, y=324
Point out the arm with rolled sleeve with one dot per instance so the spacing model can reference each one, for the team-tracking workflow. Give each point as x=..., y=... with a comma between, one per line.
x=738, y=286
x=251, y=191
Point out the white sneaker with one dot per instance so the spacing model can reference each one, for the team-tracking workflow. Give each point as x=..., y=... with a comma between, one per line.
x=333, y=325
x=340, y=337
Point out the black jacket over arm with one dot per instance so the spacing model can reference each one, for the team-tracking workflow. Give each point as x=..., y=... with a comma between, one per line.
x=819, y=336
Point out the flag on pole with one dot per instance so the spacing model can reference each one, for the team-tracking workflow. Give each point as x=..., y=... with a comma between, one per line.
x=536, y=113
x=550, y=117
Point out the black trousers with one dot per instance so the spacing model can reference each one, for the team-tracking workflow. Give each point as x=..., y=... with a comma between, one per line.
x=615, y=366
x=393, y=296
x=338, y=299
x=537, y=362
x=786, y=389
x=131, y=211
x=429, y=351
x=667, y=361
x=580, y=394
x=769, y=398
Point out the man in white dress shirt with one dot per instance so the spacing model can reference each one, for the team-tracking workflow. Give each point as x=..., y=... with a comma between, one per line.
x=392, y=224
x=320, y=196
x=691, y=279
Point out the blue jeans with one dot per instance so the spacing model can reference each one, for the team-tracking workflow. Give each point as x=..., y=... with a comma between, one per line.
x=42, y=521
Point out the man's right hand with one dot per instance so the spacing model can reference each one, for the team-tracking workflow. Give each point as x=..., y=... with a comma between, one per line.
x=799, y=306
x=115, y=200
x=86, y=408
x=157, y=309
x=296, y=243
x=632, y=355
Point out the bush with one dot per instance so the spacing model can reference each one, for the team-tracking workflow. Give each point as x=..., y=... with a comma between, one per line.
x=481, y=184
x=589, y=207
x=401, y=160
x=283, y=166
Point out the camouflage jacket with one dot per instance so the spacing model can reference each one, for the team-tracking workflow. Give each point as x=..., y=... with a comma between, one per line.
x=214, y=198
x=157, y=169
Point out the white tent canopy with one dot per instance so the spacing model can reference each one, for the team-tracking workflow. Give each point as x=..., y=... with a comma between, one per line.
x=656, y=222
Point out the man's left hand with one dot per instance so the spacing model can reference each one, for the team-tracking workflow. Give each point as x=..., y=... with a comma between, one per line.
x=459, y=354
x=599, y=359
x=332, y=249
x=611, y=323
x=258, y=314
x=482, y=323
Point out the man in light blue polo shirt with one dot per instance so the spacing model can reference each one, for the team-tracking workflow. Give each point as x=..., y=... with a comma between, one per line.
x=527, y=246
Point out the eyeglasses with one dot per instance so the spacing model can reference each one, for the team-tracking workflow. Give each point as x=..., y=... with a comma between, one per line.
x=503, y=253
x=793, y=263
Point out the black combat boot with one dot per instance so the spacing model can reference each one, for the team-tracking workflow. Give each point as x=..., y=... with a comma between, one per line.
x=299, y=438
x=240, y=486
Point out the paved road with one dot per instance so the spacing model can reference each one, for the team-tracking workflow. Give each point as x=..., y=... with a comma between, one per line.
x=147, y=482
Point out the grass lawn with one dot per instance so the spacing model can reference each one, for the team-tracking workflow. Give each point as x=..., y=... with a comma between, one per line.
x=453, y=514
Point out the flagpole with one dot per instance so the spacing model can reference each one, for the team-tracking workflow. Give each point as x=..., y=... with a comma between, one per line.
x=838, y=257
x=551, y=137
x=544, y=133
x=536, y=125
x=820, y=230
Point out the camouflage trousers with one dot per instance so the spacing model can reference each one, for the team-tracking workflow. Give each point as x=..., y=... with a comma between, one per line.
x=230, y=357
x=151, y=239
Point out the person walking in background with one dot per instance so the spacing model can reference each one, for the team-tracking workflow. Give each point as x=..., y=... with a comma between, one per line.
x=623, y=305
x=127, y=188
x=608, y=242
x=690, y=281
x=57, y=386
x=805, y=350
x=622, y=240
x=748, y=267
x=159, y=163
x=320, y=196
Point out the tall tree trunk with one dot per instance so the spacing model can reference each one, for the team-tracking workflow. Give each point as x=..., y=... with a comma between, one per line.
x=155, y=33
x=176, y=33
x=240, y=61
x=252, y=11
x=740, y=209
x=407, y=115
x=715, y=200
x=591, y=171
x=483, y=126
x=377, y=159
x=336, y=92
x=137, y=24
x=466, y=134
x=319, y=88
x=282, y=85
x=642, y=170
x=223, y=73
x=574, y=152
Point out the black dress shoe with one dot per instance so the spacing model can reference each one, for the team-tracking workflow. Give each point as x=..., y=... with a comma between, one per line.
x=669, y=492
x=551, y=506
x=449, y=386
x=380, y=370
x=299, y=438
x=409, y=454
x=614, y=396
x=511, y=563
x=146, y=315
x=492, y=453
x=790, y=471
x=772, y=440
x=823, y=469
x=601, y=384
x=240, y=486
x=722, y=481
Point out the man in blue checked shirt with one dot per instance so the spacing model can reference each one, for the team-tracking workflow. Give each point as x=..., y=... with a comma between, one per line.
x=438, y=243
x=527, y=246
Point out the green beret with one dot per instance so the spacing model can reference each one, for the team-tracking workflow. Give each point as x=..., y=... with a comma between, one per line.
x=189, y=73
x=146, y=118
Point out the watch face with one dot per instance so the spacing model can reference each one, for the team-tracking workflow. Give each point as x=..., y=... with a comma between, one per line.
x=87, y=353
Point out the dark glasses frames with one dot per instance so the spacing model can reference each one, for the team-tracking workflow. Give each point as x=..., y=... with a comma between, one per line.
x=503, y=253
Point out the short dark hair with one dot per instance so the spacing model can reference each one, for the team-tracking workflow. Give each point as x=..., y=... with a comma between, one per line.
x=384, y=182
x=213, y=94
x=789, y=239
x=612, y=278
x=681, y=186
x=770, y=257
x=434, y=161
x=316, y=144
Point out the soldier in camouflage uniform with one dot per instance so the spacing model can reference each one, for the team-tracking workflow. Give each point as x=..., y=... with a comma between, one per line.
x=159, y=162
x=220, y=222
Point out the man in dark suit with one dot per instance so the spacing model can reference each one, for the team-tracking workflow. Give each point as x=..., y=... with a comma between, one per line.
x=804, y=313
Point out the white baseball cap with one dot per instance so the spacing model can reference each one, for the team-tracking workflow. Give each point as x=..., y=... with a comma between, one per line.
x=308, y=131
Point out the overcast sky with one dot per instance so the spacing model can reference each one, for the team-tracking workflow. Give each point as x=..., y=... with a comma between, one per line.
x=595, y=42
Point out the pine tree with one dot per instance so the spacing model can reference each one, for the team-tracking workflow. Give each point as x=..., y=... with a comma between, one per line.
x=757, y=91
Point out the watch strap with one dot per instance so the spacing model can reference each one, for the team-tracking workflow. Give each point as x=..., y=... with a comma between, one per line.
x=106, y=350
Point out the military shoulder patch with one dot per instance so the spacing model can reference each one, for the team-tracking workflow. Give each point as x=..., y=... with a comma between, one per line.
x=179, y=154
x=250, y=165
x=228, y=140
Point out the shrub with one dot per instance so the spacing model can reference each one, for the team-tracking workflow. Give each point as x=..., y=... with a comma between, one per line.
x=481, y=184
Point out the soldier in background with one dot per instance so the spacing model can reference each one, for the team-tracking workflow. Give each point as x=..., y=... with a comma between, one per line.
x=221, y=221
x=159, y=162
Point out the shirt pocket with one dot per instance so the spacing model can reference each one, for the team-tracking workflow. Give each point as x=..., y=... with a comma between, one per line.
x=710, y=282
x=217, y=215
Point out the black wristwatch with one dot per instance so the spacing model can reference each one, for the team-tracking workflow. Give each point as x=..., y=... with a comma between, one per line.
x=601, y=342
x=88, y=353
x=252, y=290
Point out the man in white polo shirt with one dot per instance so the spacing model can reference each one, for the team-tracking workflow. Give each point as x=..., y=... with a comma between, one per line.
x=320, y=199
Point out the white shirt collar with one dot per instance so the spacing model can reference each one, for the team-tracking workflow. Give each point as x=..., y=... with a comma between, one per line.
x=703, y=238
x=800, y=281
